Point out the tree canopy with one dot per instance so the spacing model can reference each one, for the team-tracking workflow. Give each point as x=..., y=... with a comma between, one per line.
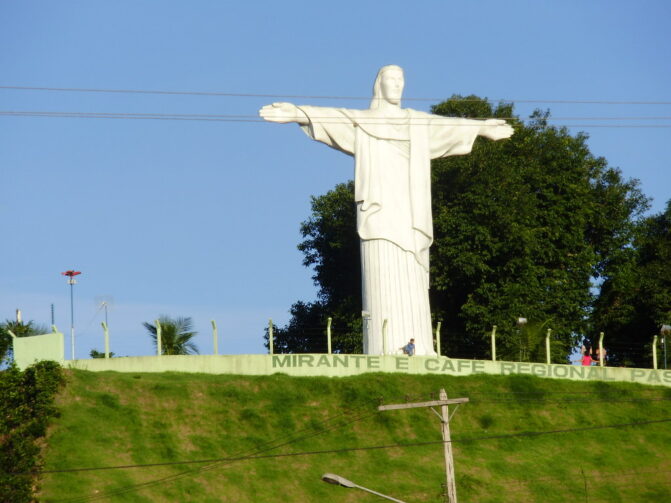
x=331, y=248
x=635, y=296
x=94, y=353
x=521, y=228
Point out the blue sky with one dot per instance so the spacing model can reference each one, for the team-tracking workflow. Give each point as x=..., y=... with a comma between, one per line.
x=201, y=218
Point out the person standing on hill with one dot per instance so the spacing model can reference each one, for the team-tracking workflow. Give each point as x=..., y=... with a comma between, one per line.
x=600, y=355
x=586, y=359
x=409, y=348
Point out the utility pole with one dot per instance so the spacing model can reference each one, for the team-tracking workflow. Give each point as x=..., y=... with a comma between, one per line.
x=444, y=417
x=103, y=304
x=72, y=282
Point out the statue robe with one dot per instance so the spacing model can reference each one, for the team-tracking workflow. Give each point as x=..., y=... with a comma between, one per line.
x=392, y=184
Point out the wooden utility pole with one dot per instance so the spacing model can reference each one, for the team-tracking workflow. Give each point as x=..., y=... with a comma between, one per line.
x=444, y=417
x=447, y=444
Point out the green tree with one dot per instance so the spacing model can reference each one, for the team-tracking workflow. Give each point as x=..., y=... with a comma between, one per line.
x=635, y=297
x=521, y=228
x=331, y=248
x=176, y=335
x=26, y=407
x=5, y=345
x=94, y=353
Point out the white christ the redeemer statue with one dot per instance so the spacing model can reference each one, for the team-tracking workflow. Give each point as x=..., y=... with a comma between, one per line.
x=392, y=148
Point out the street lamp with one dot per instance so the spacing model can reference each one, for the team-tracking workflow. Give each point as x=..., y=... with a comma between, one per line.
x=72, y=282
x=664, y=331
x=332, y=478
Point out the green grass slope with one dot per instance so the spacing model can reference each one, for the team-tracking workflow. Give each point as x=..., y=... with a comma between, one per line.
x=111, y=419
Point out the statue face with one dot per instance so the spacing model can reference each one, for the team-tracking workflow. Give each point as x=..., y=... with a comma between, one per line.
x=391, y=86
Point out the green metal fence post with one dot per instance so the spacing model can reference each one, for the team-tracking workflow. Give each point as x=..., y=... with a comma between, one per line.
x=328, y=334
x=602, y=355
x=547, y=346
x=106, y=333
x=159, y=348
x=493, y=343
x=664, y=331
x=654, y=352
x=215, y=337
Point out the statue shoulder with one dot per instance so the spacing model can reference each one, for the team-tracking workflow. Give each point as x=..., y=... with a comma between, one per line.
x=417, y=114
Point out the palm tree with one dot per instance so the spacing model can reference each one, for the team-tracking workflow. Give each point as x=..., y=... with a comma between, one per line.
x=176, y=335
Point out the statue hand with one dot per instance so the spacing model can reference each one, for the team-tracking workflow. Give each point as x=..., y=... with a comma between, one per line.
x=283, y=113
x=496, y=129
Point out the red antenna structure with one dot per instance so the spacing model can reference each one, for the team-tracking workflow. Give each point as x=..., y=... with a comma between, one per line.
x=72, y=282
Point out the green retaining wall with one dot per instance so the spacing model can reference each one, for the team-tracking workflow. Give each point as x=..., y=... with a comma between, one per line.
x=35, y=348
x=28, y=350
x=347, y=365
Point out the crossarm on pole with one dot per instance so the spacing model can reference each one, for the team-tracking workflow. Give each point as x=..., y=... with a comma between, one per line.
x=433, y=403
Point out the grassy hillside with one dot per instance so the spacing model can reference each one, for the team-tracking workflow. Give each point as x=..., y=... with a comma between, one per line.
x=113, y=419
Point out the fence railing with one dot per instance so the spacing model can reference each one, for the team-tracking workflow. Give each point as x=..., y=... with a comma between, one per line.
x=655, y=351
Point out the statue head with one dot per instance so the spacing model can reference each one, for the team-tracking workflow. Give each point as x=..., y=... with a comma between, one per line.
x=388, y=86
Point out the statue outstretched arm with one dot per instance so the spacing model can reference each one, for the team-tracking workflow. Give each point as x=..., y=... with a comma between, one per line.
x=496, y=129
x=455, y=135
x=284, y=113
x=324, y=124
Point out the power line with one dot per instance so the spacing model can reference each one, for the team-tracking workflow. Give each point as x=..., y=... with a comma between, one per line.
x=569, y=401
x=104, y=115
x=370, y=117
x=540, y=395
x=590, y=474
x=269, y=446
x=306, y=96
x=599, y=479
x=226, y=461
x=630, y=485
x=254, y=119
x=367, y=448
x=216, y=464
